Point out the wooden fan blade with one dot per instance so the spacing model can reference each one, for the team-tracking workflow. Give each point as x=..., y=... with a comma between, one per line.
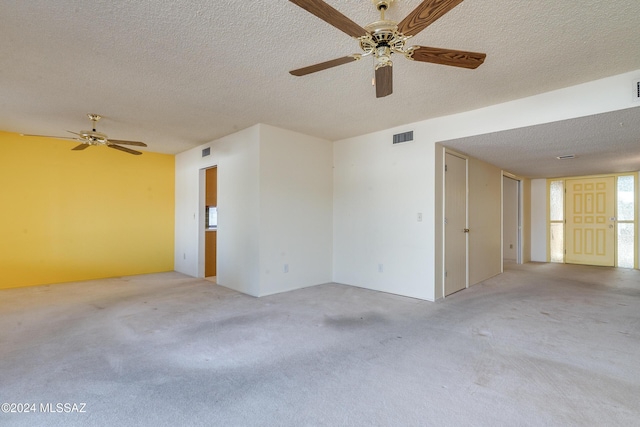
x=455, y=58
x=384, y=81
x=125, y=149
x=324, y=65
x=119, y=141
x=424, y=15
x=331, y=16
x=80, y=147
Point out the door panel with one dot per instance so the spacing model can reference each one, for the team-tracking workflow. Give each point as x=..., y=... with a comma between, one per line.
x=455, y=214
x=510, y=219
x=210, y=253
x=590, y=228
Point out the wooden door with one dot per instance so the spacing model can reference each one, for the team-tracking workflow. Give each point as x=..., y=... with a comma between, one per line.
x=455, y=220
x=210, y=241
x=590, y=227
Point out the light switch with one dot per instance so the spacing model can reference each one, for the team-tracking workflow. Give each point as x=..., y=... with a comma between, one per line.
x=419, y=216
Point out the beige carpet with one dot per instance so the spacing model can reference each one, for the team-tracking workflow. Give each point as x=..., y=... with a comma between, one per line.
x=542, y=344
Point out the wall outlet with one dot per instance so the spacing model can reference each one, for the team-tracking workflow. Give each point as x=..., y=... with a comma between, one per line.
x=285, y=268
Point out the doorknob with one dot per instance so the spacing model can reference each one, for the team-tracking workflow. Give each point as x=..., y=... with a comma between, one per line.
x=466, y=230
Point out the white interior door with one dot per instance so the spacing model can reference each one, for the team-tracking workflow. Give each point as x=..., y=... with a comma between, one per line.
x=455, y=224
x=510, y=219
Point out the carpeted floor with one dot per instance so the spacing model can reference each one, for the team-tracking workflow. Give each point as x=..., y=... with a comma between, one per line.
x=540, y=345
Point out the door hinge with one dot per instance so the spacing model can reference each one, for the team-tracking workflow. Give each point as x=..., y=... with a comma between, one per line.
x=445, y=168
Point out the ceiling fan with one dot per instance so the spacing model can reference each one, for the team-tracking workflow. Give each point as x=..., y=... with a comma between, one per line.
x=383, y=38
x=93, y=137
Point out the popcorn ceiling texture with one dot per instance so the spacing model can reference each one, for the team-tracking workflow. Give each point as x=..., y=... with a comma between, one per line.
x=604, y=143
x=177, y=74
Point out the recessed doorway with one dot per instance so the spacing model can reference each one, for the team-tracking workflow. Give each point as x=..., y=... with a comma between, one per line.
x=211, y=222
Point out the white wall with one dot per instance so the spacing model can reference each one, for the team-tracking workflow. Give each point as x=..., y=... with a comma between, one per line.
x=378, y=191
x=237, y=159
x=599, y=96
x=296, y=210
x=274, y=207
x=379, y=188
x=539, y=220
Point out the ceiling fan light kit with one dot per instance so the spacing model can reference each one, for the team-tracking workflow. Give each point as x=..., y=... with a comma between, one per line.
x=381, y=39
x=93, y=137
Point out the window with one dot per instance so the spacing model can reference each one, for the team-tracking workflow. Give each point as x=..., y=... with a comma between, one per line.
x=625, y=221
x=211, y=217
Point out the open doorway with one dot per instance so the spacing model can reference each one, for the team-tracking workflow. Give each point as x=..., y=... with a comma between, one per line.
x=211, y=223
x=511, y=221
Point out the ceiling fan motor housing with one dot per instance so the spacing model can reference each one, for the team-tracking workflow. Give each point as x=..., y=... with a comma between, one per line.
x=383, y=39
x=92, y=137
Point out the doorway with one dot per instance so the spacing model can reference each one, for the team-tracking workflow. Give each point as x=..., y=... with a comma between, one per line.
x=455, y=224
x=593, y=220
x=211, y=222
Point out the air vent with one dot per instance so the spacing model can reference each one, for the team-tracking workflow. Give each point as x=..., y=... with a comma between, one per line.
x=636, y=91
x=206, y=151
x=403, y=137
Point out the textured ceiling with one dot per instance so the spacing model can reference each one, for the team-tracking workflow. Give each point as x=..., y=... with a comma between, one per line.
x=603, y=143
x=179, y=73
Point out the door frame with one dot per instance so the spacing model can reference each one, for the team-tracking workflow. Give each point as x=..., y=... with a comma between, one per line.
x=636, y=242
x=520, y=207
x=202, y=197
x=444, y=197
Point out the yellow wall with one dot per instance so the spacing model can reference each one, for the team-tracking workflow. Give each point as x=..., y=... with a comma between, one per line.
x=79, y=215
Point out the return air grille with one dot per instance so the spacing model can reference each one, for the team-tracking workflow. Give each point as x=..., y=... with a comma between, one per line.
x=206, y=151
x=403, y=137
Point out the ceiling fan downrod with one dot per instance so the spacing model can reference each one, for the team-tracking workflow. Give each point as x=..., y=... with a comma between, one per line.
x=94, y=119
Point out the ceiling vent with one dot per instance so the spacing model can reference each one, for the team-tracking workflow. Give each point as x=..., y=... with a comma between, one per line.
x=403, y=137
x=206, y=151
x=636, y=90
